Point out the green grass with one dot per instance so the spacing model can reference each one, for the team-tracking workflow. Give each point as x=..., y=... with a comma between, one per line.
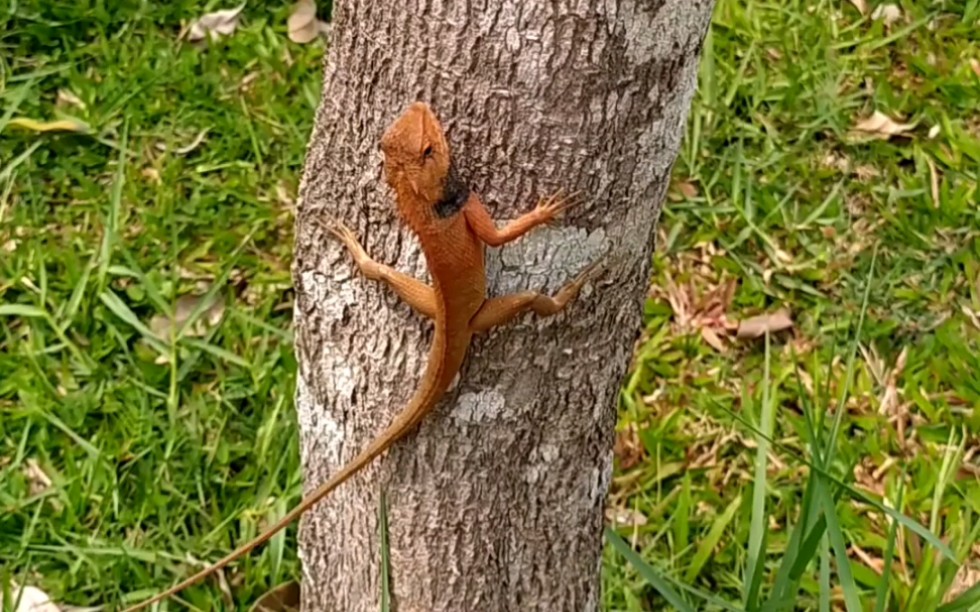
x=775, y=195
x=123, y=456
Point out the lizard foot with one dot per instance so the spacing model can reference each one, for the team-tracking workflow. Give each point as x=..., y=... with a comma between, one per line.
x=554, y=205
x=570, y=291
x=367, y=266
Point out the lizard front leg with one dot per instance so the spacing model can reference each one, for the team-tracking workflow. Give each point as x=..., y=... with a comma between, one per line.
x=483, y=225
x=415, y=293
x=500, y=310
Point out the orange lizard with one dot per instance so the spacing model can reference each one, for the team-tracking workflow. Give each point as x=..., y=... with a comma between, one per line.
x=452, y=226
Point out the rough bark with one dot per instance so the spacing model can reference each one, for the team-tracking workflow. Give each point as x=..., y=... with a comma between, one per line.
x=496, y=502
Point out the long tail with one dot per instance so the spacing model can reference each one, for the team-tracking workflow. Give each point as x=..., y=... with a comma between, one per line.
x=427, y=396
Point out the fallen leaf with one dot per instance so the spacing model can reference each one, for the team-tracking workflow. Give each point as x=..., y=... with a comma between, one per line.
x=66, y=97
x=193, y=144
x=32, y=599
x=877, y=564
x=836, y=161
x=880, y=125
x=865, y=172
x=861, y=6
x=60, y=125
x=975, y=66
x=887, y=13
x=248, y=79
x=783, y=257
x=10, y=246
x=215, y=25
x=283, y=196
x=151, y=174
x=36, y=477
x=625, y=517
x=685, y=191
x=163, y=326
x=974, y=317
x=713, y=339
x=933, y=183
x=283, y=598
x=303, y=26
x=755, y=327
x=934, y=131
x=966, y=578
x=628, y=448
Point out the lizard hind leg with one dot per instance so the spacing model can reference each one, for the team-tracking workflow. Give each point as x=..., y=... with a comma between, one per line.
x=501, y=310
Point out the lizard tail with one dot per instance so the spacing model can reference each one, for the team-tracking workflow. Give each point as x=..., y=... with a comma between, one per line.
x=426, y=397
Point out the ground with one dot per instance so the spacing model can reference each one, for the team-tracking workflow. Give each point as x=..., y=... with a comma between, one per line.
x=826, y=192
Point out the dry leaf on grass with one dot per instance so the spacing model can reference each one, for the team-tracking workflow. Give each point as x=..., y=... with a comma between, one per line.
x=67, y=98
x=215, y=24
x=972, y=315
x=38, y=479
x=756, y=327
x=303, y=25
x=187, y=148
x=933, y=183
x=877, y=564
x=887, y=13
x=625, y=517
x=975, y=66
x=163, y=326
x=966, y=577
x=31, y=599
x=694, y=311
x=861, y=6
x=283, y=598
x=152, y=175
x=60, y=125
x=683, y=190
x=628, y=449
x=879, y=125
x=713, y=339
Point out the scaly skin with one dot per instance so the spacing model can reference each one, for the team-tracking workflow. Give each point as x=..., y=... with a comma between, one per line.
x=453, y=226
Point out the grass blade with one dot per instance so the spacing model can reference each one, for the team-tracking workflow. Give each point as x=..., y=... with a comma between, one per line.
x=385, y=553
x=855, y=494
x=22, y=310
x=111, y=227
x=851, y=360
x=710, y=542
x=823, y=578
x=647, y=572
x=882, y=592
x=757, y=529
x=121, y=310
x=217, y=351
x=968, y=601
x=851, y=597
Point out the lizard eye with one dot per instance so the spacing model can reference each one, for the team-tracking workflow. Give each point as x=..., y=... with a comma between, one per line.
x=427, y=151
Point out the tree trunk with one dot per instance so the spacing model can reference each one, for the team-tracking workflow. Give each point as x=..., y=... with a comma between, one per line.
x=496, y=502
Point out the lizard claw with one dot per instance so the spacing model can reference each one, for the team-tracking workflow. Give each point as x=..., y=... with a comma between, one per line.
x=344, y=234
x=570, y=291
x=557, y=203
x=590, y=272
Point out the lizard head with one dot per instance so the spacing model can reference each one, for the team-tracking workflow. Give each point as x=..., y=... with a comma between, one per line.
x=418, y=167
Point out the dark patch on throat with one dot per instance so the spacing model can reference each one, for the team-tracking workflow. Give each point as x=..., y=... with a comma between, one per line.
x=454, y=194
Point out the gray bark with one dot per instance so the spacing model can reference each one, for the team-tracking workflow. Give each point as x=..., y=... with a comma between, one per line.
x=496, y=502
